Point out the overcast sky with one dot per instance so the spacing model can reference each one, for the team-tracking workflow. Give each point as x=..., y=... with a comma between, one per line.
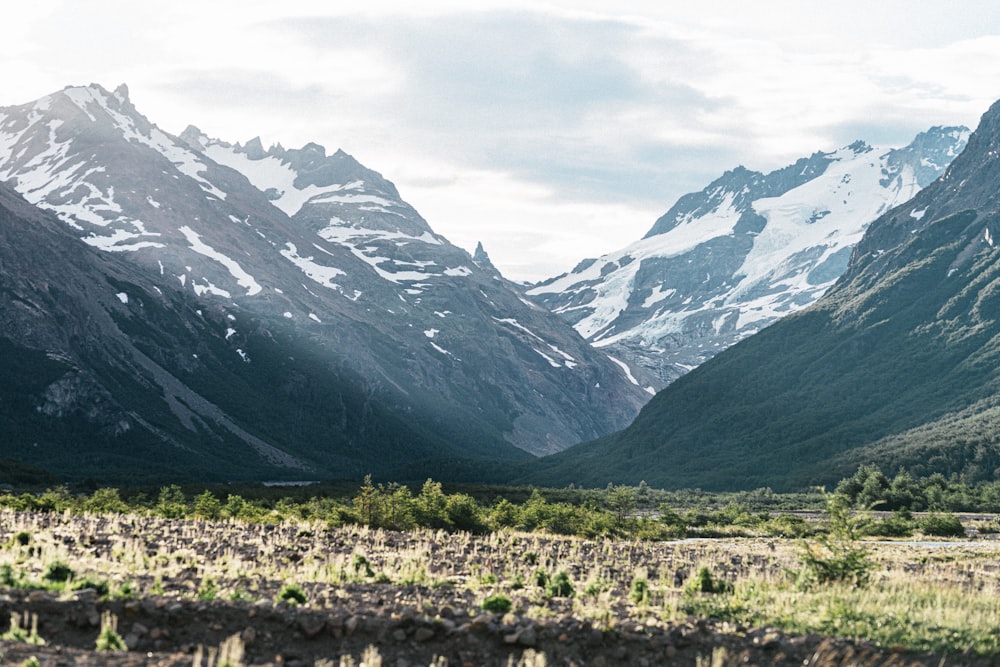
x=550, y=132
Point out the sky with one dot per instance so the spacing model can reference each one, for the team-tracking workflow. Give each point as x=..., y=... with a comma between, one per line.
x=550, y=132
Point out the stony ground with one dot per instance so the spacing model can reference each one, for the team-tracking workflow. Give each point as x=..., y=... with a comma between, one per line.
x=184, y=588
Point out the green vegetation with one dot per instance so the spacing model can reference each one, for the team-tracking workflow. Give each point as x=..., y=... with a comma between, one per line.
x=615, y=511
x=825, y=578
x=27, y=635
x=109, y=639
x=292, y=594
x=497, y=604
x=836, y=556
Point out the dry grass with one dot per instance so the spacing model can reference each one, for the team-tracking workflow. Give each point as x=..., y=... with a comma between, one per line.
x=924, y=598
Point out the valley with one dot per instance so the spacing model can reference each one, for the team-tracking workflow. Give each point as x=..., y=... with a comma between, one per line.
x=294, y=370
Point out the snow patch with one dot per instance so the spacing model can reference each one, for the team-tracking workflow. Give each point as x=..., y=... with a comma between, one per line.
x=243, y=279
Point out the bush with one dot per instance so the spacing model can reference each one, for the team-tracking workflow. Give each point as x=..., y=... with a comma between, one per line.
x=362, y=565
x=58, y=572
x=98, y=586
x=704, y=582
x=465, y=514
x=497, y=604
x=942, y=524
x=836, y=556
x=109, y=639
x=560, y=586
x=640, y=591
x=893, y=526
x=292, y=594
x=27, y=635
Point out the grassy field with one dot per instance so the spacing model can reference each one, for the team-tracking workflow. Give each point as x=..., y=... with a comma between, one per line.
x=308, y=592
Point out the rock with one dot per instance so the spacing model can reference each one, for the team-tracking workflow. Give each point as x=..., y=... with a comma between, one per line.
x=399, y=635
x=249, y=636
x=527, y=637
x=86, y=595
x=351, y=624
x=423, y=634
x=131, y=641
x=311, y=625
x=139, y=630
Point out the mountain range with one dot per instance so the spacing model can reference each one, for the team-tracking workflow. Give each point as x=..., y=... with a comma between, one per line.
x=181, y=307
x=897, y=365
x=179, y=304
x=725, y=262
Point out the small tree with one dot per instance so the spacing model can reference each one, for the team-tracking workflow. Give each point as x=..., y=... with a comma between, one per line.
x=171, y=502
x=836, y=555
x=207, y=506
x=621, y=500
x=364, y=502
x=432, y=506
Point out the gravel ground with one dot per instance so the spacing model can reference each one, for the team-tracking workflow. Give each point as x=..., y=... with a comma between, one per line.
x=416, y=597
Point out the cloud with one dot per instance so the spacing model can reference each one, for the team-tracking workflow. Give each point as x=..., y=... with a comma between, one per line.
x=550, y=123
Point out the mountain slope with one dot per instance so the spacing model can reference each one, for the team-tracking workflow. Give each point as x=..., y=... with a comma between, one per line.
x=110, y=375
x=725, y=262
x=897, y=365
x=320, y=256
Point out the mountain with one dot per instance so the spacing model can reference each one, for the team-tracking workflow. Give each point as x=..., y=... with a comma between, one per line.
x=897, y=365
x=318, y=284
x=750, y=248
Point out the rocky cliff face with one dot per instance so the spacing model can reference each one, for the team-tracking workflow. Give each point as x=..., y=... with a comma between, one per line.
x=322, y=254
x=725, y=262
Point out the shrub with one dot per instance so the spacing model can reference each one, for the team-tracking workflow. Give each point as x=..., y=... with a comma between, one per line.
x=704, y=582
x=465, y=514
x=109, y=639
x=640, y=591
x=100, y=587
x=893, y=526
x=206, y=590
x=361, y=564
x=25, y=635
x=58, y=572
x=560, y=586
x=105, y=501
x=836, y=556
x=942, y=524
x=292, y=594
x=7, y=578
x=171, y=503
x=497, y=604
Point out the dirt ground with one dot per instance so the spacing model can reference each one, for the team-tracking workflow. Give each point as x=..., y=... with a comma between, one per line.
x=416, y=597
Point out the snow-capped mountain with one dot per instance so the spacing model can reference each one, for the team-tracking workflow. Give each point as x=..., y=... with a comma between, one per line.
x=750, y=248
x=897, y=365
x=314, y=249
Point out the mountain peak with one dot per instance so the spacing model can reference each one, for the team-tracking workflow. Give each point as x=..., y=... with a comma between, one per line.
x=194, y=137
x=749, y=248
x=480, y=255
